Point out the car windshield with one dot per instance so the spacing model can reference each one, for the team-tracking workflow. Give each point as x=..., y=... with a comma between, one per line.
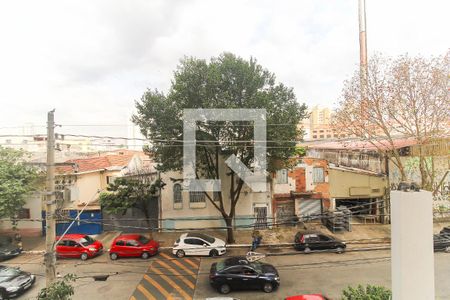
x=257, y=266
x=143, y=240
x=205, y=237
x=8, y=273
x=86, y=240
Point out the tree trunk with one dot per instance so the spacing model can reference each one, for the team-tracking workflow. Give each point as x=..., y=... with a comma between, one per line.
x=230, y=231
x=147, y=220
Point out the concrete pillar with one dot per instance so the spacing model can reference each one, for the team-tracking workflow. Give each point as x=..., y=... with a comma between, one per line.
x=412, y=252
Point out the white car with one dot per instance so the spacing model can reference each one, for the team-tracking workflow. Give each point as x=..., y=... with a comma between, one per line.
x=198, y=244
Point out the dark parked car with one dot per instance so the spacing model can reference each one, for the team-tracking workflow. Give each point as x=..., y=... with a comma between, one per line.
x=237, y=273
x=9, y=247
x=314, y=241
x=441, y=243
x=445, y=231
x=14, y=282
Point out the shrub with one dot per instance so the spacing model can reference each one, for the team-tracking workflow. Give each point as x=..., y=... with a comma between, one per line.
x=370, y=292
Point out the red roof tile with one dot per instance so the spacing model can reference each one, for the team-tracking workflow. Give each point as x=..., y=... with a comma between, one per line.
x=96, y=163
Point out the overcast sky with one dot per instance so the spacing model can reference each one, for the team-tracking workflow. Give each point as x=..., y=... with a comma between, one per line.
x=90, y=60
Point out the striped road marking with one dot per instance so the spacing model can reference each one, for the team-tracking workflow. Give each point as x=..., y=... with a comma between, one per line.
x=168, y=278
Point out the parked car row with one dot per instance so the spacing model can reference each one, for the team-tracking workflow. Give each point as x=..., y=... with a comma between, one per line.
x=136, y=245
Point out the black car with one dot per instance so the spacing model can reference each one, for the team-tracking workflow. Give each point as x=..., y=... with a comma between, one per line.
x=14, y=282
x=237, y=273
x=313, y=241
x=445, y=231
x=441, y=243
x=9, y=247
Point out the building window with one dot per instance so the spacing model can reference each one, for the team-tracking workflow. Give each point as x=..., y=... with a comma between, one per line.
x=216, y=196
x=328, y=135
x=321, y=136
x=282, y=176
x=196, y=197
x=110, y=179
x=177, y=198
x=314, y=136
x=318, y=175
x=23, y=213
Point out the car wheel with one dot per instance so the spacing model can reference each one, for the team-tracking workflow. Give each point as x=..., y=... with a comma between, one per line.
x=224, y=289
x=213, y=253
x=268, y=287
x=307, y=250
x=145, y=255
x=447, y=249
x=84, y=256
x=339, y=250
x=180, y=254
x=113, y=256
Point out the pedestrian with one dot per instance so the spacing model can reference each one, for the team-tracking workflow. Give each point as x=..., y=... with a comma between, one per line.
x=256, y=236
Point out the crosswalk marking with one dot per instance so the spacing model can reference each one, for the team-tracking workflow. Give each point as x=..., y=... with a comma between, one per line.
x=168, y=278
x=146, y=293
x=173, y=271
x=177, y=287
x=191, y=263
x=158, y=286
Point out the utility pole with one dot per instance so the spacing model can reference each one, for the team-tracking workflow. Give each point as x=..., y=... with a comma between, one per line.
x=362, y=37
x=363, y=68
x=49, y=257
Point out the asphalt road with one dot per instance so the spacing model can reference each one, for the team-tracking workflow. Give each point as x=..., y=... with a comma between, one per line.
x=326, y=273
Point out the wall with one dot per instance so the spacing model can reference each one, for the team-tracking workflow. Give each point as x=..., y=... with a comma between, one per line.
x=347, y=184
x=200, y=215
x=34, y=203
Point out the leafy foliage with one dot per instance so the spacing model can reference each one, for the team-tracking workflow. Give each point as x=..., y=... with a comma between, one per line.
x=59, y=290
x=370, y=292
x=129, y=192
x=225, y=82
x=17, y=181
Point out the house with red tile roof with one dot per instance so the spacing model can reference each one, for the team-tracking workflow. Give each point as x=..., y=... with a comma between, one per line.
x=80, y=182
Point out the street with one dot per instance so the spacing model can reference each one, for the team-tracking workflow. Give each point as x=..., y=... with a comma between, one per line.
x=157, y=277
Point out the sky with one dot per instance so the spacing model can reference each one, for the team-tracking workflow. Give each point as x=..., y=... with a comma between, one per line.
x=91, y=60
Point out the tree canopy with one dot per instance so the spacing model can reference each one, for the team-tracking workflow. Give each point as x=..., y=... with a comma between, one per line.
x=404, y=97
x=224, y=82
x=17, y=181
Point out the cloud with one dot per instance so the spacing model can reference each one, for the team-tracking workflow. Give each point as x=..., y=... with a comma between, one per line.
x=91, y=60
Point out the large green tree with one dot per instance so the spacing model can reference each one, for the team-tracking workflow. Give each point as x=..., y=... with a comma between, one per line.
x=224, y=82
x=130, y=192
x=17, y=181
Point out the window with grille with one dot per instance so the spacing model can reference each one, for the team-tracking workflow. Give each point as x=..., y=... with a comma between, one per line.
x=23, y=213
x=282, y=176
x=177, y=198
x=318, y=175
x=196, y=197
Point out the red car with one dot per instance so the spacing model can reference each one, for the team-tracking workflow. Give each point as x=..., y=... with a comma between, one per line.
x=308, y=297
x=78, y=245
x=133, y=245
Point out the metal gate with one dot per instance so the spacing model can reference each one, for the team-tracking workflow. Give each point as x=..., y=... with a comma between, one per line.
x=261, y=217
x=310, y=209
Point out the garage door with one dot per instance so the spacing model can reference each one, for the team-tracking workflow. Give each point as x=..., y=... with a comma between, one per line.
x=310, y=207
